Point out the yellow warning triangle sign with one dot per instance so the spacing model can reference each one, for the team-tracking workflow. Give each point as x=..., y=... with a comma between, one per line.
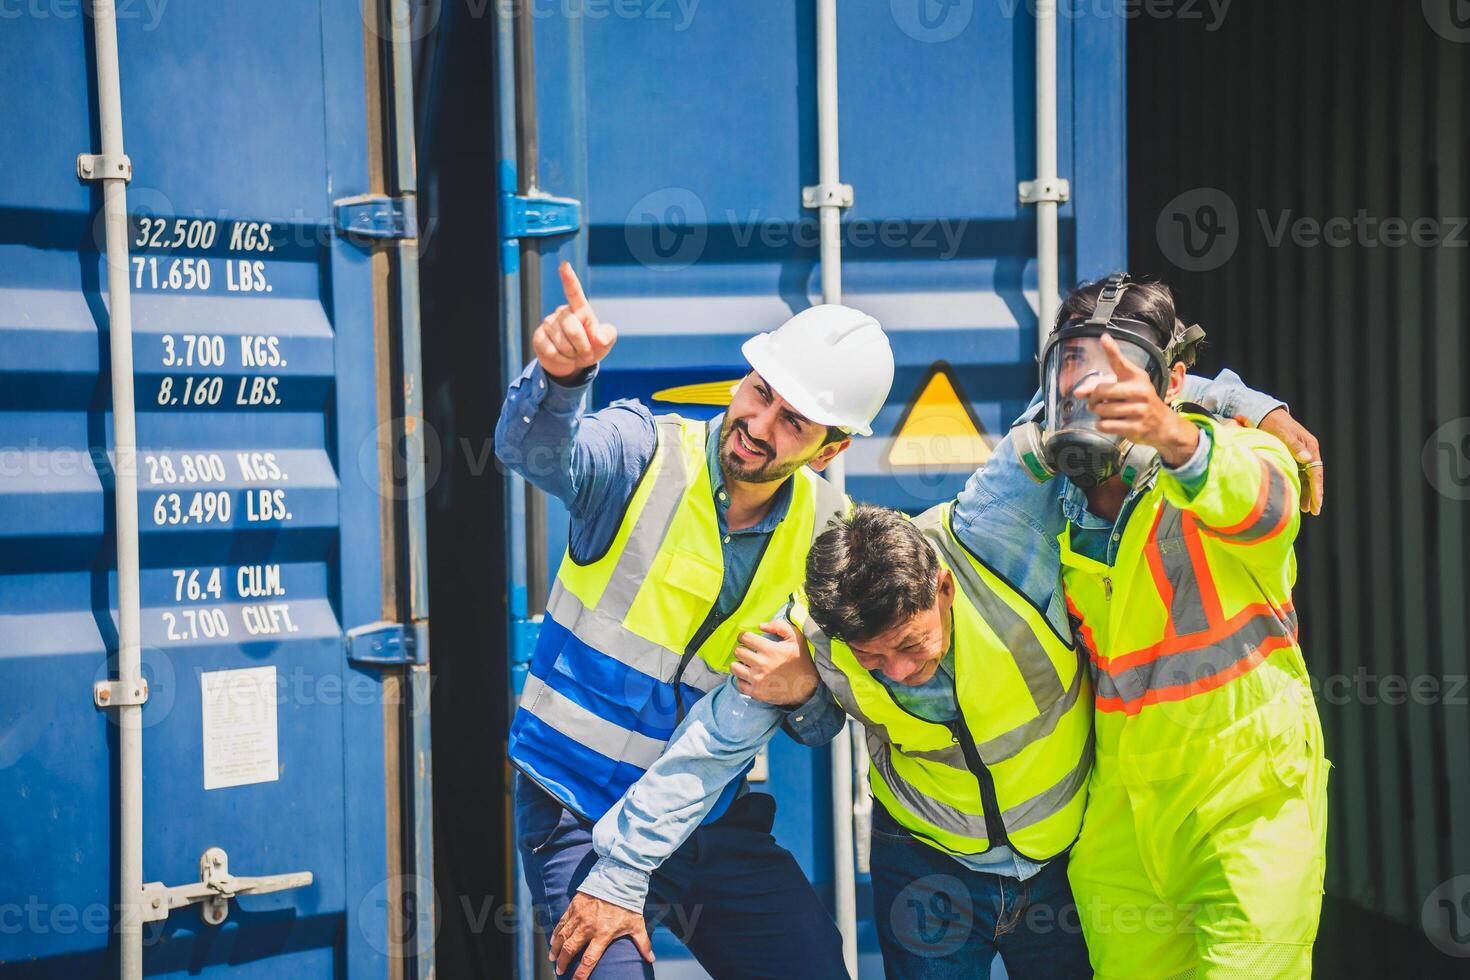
x=938, y=430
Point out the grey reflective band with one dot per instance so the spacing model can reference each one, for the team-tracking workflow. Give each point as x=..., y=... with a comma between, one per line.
x=1278, y=499
x=1190, y=666
x=1040, y=676
x=833, y=676
x=1014, y=632
x=1010, y=744
x=1186, y=605
x=611, y=638
x=653, y=523
x=927, y=808
x=1051, y=801
x=1027, y=813
x=830, y=505
x=837, y=681
x=585, y=727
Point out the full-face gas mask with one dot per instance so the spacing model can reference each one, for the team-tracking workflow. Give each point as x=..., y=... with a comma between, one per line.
x=1067, y=440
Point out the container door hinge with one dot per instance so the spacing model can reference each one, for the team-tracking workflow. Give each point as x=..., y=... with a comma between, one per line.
x=214, y=889
x=377, y=217
x=389, y=643
x=538, y=216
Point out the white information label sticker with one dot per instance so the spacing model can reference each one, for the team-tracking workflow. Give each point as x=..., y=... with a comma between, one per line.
x=239, y=711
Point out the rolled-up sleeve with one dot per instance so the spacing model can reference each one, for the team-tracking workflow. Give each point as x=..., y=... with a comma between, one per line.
x=816, y=722
x=590, y=462
x=538, y=427
x=1226, y=395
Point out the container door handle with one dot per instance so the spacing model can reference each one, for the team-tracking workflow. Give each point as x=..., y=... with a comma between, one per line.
x=214, y=889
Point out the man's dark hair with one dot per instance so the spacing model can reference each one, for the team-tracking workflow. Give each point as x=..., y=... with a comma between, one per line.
x=868, y=573
x=1151, y=303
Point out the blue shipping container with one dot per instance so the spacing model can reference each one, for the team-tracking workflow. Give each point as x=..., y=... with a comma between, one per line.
x=268, y=513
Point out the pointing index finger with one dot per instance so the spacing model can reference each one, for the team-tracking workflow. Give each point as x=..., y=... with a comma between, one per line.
x=1122, y=367
x=572, y=287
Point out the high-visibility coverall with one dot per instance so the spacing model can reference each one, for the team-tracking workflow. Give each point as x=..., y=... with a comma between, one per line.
x=1203, y=847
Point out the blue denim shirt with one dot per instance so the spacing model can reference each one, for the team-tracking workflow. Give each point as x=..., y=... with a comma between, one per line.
x=592, y=462
x=1002, y=515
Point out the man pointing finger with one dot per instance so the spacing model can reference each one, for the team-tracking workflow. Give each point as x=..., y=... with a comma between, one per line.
x=684, y=536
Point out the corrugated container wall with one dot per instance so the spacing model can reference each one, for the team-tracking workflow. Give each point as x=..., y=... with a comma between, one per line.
x=1299, y=173
x=274, y=357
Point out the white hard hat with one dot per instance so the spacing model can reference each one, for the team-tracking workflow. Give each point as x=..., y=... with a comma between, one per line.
x=831, y=363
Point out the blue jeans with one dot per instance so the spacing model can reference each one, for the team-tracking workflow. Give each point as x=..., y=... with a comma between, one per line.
x=938, y=919
x=736, y=898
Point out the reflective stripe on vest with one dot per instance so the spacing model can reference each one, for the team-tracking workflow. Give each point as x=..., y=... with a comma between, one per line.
x=605, y=681
x=1201, y=648
x=1004, y=649
x=1270, y=514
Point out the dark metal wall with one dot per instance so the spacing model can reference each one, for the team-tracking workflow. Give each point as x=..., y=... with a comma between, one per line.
x=1299, y=171
x=465, y=501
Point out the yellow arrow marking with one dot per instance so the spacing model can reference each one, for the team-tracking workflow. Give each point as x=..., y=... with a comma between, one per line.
x=704, y=393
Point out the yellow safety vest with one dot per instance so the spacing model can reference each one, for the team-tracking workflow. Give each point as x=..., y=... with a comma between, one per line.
x=1014, y=769
x=1192, y=628
x=613, y=662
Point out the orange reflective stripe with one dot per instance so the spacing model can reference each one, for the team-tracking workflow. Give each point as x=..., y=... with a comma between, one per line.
x=1180, y=573
x=1270, y=514
x=1200, y=649
x=1254, y=656
x=1175, y=644
x=1209, y=596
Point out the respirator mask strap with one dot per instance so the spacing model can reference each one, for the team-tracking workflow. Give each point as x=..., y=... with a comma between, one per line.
x=1108, y=300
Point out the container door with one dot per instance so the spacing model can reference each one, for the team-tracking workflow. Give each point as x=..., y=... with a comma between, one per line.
x=270, y=743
